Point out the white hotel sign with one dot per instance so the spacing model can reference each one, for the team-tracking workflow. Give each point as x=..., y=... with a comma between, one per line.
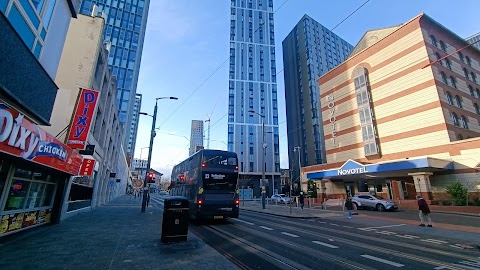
x=332, y=117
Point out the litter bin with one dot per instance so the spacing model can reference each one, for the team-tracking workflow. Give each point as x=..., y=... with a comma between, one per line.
x=175, y=219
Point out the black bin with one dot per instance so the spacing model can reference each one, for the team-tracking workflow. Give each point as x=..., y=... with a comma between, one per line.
x=175, y=219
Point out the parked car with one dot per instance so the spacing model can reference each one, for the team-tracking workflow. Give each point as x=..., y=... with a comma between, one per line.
x=373, y=202
x=281, y=198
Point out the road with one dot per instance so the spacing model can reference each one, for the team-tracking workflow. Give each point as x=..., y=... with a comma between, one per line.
x=261, y=241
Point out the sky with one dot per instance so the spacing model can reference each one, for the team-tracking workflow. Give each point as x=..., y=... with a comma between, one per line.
x=186, y=53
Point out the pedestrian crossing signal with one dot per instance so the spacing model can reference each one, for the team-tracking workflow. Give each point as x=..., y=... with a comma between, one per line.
x=150, y=178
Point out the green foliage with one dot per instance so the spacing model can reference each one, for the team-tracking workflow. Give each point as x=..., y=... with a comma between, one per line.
x=458, y=193
x=446, y=202
x=311, y=189
x=476, y=201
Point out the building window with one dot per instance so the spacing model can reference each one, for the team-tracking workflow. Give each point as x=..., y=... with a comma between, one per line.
x=459, y=137
x=477, y=109
x=453, y=81
x=444, y=78
x=478, y=92
x=454, y=119
x=442, y=46
x=460, y=55
x=469, y=62
x=465, y=72
x=448, y=64
x=438, y=58
x=433, y=40
x=449, y=98
x=473, y=77
x=459, y=101
x=472, y=93
x=464, y=122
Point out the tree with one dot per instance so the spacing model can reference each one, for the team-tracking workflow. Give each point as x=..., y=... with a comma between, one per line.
x=458, y=192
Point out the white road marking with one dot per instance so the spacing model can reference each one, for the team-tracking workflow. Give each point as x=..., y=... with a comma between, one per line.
x=383, y=261
x=387, y=226
x=466, y=267
x=333, y=224
x=289, y=234
x=386, y=232
x=266, y=228
x=366, y=229
x=331, y=240
x=323, y=222
x=472, y=263
x=311, y=220
x=348, y=227
x=324, y=244
x=443, y=267
x=457, y=246
x=408, y=236
x=246, y=222
x=434, y=241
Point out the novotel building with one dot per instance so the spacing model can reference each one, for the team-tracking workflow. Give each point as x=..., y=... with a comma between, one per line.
x=401, y=116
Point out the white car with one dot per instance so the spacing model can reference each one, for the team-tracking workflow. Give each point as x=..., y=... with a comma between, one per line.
x=374, y=202
x=281, y=198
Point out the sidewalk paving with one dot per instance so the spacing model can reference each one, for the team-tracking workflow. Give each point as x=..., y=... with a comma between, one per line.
x=114, y=236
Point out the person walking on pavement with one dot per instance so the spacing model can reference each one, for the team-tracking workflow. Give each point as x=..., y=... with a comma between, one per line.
x=148, y=197
x=424, y=212
x=349, y=206
x=302, y=200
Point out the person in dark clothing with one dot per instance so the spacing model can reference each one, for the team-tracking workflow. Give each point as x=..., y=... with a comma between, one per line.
x=424, y=212
x=302, y=200
x=148, y=197
x=349, y=206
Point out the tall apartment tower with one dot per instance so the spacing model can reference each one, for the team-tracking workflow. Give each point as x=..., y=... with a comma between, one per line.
x=135, y=117
x=475, y=40
x=253, y=92
x=125, y=30
x=196, y=136
x=309, y=51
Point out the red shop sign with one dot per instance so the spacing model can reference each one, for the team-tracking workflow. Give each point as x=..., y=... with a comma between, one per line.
x=87, y=167
x=24, y=139
x=82, y=119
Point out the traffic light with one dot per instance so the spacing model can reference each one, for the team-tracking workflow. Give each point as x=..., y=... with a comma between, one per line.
x=150, y=178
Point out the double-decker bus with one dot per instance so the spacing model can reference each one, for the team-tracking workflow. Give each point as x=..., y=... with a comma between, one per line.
x=208, y=179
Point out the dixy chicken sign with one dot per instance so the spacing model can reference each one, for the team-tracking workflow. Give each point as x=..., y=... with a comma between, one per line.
x=82, y=119
x=22, y=138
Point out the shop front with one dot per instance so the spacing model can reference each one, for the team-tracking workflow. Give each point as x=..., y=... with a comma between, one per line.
x=34, y=170
x=397, y=180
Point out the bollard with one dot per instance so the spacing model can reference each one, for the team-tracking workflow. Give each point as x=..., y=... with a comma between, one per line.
x=325, y=203
x=343, y=207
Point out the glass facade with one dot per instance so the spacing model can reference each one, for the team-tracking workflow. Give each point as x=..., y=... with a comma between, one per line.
x=309, y=51
x=125, y=23
x=252, y=86
x=31, y=19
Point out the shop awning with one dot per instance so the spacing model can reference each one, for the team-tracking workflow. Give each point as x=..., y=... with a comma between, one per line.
x=398, y=168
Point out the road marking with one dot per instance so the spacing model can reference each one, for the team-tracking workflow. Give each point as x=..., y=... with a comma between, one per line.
x=466, y=267
x=324, y=244
x=323, y=222
x=408, y=236
x=311, y=220
x=246, y=222
x=348, y=227
x=333, y=224
x=383, y=261
x=457, y=246
x=366, y=229
x=386, y=232
x=266, y=228
x=434, y=241
x=472, y=263
x=387, y=226
x=289, y=234
x=331, y=240
x=444, y=267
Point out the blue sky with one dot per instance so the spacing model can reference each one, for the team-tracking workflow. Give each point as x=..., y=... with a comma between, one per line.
x=188, y=40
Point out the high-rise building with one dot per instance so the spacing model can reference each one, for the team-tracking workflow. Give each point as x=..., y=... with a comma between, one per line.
x=309, y=51
x=135, y=117
x=475, y=40
x=253, y=92
x=196, y=136
x=125, y=30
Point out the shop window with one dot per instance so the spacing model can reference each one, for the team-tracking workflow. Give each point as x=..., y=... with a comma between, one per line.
x=17, y=195
x=362, y=186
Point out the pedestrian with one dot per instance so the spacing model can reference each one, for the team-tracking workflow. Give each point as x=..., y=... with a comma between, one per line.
x=302, y=200
x=349, y=206
x=424, y=212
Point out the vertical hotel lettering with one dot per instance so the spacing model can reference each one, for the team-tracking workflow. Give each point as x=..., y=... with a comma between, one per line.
x=333, y=120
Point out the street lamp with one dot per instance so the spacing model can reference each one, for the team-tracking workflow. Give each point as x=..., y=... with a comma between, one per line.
x=152, y=135
x=264, y=145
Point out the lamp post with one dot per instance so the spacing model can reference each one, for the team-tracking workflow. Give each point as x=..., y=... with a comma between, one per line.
x=264, y=145
x=152, y=135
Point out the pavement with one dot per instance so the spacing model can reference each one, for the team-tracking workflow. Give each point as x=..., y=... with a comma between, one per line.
x=114, y=236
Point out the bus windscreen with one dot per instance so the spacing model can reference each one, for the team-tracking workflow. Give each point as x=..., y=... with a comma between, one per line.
x=219, y=160
x=219, y=181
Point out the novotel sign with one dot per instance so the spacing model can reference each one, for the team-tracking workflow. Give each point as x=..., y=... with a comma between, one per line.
x=352, y=167
x=332, y=117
